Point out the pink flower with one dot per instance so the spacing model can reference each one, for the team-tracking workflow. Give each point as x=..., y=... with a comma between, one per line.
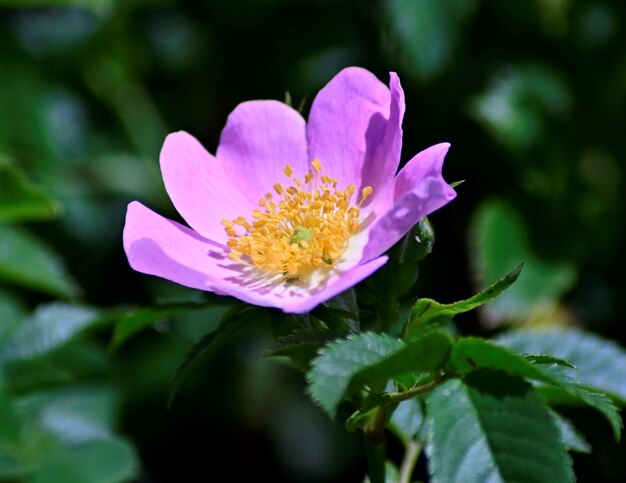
x=289, y=214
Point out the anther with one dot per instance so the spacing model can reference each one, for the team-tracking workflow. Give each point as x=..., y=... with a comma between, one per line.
x=306, y=227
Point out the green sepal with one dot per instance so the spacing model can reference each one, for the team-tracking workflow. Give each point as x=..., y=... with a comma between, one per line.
x=415, y=245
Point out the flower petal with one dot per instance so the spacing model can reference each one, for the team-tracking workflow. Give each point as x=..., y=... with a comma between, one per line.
x=201, y=190
x=418, y=190
x=162, y=247
x=157, y=246
x=354, y=128
x=380, y=168
x=259, y=140
x=334, y=286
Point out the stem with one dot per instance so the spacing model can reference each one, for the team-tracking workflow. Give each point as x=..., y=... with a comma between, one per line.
x=411, y=454
x=375, y=453
x=375, y=429
x=374, y=439
x=387, y=309
x=411, y=393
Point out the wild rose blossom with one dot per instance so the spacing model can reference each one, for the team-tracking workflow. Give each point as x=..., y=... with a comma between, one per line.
x=289, y=214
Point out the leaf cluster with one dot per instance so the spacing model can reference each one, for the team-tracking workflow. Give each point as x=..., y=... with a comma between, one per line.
x=484, y=410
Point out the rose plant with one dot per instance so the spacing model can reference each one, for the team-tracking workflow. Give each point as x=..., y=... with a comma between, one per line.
x=294, y=215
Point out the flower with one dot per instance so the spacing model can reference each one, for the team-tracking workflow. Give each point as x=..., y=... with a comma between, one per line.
x=288, y=214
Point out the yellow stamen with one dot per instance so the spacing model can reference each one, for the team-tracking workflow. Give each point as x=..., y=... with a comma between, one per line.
x=304, y=229
x=365, y=192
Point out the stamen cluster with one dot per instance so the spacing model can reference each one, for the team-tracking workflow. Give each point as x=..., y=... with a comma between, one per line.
x=308, y=226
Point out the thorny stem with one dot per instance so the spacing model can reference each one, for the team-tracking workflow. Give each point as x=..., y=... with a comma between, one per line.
x=411, y=454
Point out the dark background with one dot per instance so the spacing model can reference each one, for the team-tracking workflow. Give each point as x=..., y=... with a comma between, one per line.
x=531, y=94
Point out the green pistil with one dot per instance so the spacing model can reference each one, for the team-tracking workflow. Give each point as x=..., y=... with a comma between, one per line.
x=300, y=234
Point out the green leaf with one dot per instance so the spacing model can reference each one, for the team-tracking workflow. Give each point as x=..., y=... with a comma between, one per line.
x=26, y=261
x=97, y=461
x=136, y=320
x=599, y=401
x=548, y=359
x=498, y=242
x=73, y=415
x=370, y=358
x=408, y=419
x=10, y=430
x=233, y=322
x=76, y=360
x=11, y=314
x=50, y=327
x=333, y=370
x=392, y=474
x=10, y=424
x=98, y=6
x=71, y=436
x=601, y=362
x=491, y=426
x=20, y=200
x=300, y=347
x=570, y=437
x=428, y=311
x=470, y=353
x=341, y=312
x=10, y=469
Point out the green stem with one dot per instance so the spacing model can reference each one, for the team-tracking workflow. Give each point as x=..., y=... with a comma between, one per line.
x=375, y=429
x=375, y=453
x=411, y=454
x=374, y=437
x=411, y=393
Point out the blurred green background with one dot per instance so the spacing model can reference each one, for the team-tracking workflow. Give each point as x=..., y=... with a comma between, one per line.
x=531, y=94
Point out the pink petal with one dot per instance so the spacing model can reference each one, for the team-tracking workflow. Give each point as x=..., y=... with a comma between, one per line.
x=354, y=128
x=201, y=190
x=380, y=168
x=162, y=247
x=157, y=246
x=259, y=140
x=418, y=190
x=334, y=286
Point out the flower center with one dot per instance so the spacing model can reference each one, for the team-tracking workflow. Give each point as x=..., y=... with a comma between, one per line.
x=308, y=226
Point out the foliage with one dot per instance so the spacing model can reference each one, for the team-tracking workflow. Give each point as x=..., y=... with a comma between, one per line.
x=530, y=94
